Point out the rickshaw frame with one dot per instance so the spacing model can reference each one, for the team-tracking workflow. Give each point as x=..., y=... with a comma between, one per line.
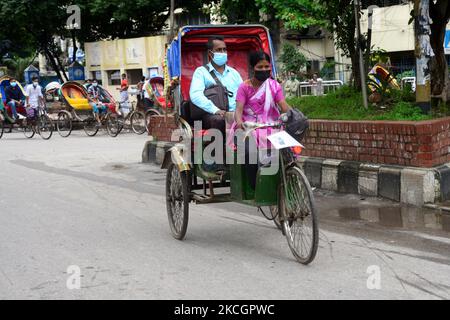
x=68, y=113
x=183, y=176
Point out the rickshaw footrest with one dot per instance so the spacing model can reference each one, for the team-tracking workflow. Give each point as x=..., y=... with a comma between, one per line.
x=218, y=198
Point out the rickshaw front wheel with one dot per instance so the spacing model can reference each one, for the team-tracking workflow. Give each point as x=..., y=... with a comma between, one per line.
x=45, y=127
x=113, y=126
x=138, y=123
x=91, y=127
x=298, y=215
x=28, y=129
x=177, y=201
x=64, y=124
x=148, y=116
x=2, y=127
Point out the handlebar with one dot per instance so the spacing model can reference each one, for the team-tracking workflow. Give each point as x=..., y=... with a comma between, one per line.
x=249, y=125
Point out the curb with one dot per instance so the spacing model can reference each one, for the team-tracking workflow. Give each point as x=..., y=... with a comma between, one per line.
x=414, y=186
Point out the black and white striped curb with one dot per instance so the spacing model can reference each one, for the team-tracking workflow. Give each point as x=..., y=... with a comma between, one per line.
x=415, y=186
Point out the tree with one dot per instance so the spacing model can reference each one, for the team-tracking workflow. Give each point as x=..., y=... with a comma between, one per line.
x=337, y=16
x=239, y=12
x=293, y=60
x=48, y=19
x=34, y=24
x=440, y=14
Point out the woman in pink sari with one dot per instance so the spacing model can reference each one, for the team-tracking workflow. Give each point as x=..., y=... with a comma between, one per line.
x=259, y=99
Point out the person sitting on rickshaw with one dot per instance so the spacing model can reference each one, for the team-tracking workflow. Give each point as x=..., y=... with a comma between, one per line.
x=203, y=79
x=259, y=100
x=148, y=95
x=96, y=100
x=2, y=106
x=14, y=98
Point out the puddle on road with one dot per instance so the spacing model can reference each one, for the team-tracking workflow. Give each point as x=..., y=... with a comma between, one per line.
x=397, y=217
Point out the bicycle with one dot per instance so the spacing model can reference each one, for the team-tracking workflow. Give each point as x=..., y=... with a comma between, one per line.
x=40, y=124
x=109, y=120
x=137, y=119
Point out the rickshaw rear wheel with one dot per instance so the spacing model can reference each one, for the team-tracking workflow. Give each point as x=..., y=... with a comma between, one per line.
x=2, y=127
x=138, y=123
x=299, y=216
x=113, y=126
x=177, y=201
x=148, y=115
x=28, y=129
x=64, y=124
x=90, y=126
x=45, y=127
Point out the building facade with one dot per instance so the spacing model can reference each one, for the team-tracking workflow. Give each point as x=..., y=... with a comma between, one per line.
x=106, y=61
x=391, y=32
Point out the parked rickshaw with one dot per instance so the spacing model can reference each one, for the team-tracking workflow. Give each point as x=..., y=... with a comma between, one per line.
x=51, y=91
x=286, y=194
x=76, y=108
x=41, y=124
x=134, y=118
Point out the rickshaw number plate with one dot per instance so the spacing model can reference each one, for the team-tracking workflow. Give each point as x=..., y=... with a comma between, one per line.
x=283, y=140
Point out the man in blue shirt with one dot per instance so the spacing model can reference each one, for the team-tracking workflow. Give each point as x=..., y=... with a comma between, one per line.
x=202, y=79
x=14, y=97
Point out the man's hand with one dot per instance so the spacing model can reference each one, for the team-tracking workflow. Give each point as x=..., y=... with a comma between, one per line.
x=221, y=113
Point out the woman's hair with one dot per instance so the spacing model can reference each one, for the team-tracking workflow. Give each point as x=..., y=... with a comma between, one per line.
x=257, y=56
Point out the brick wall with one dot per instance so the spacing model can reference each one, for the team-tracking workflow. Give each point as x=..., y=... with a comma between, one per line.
x=161, y=128
x=418, y=144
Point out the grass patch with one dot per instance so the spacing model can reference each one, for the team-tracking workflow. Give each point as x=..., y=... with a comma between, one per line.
x=346, y=104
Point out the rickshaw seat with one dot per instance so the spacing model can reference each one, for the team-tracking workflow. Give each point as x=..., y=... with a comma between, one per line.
x=79, y=104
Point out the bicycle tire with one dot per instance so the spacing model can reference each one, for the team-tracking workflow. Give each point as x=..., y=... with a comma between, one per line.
x=45, y=127
x=138, y=123
x=64, y=124
x=91, y=127
x=150, y=113
x=177, y=196
x=29, y=130
x=2, y=127
x=294, y=212
x=112, y=125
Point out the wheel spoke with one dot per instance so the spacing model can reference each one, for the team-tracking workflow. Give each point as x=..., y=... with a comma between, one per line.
x=296, y=204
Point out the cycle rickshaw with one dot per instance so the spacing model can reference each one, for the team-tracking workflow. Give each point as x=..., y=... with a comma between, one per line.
x=41, y=124
x=75, y=108
x=291, y=206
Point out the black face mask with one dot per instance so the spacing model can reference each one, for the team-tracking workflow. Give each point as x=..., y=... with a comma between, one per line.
x=262, y=75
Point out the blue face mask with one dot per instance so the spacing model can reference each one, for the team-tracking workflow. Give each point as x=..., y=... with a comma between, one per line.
x=220, y=58
x=13, y=84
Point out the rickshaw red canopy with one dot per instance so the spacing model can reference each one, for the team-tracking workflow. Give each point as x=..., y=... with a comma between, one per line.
x=188, y=51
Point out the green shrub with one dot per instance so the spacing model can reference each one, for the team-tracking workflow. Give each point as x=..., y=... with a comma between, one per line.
x=346, y=104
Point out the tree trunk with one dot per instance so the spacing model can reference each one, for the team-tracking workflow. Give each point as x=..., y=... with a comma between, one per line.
x=74, y=44
x=356, y=74
x=61, y=68
x=55, y=67
x=439, y=67
x=439, y=13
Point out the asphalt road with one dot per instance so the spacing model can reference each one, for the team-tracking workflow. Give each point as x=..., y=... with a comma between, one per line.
x=89, y=205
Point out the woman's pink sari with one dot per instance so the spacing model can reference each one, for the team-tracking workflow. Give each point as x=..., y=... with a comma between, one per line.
x=260, y=108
